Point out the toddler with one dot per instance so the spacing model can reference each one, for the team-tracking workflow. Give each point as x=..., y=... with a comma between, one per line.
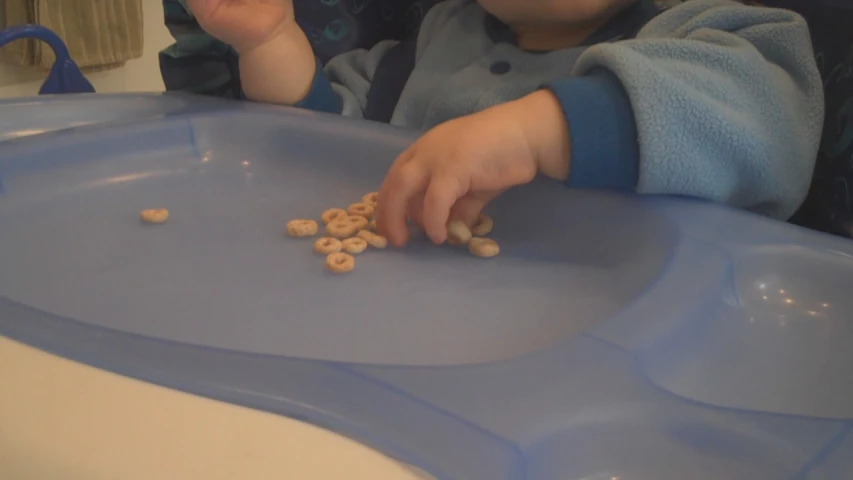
x=711, y=99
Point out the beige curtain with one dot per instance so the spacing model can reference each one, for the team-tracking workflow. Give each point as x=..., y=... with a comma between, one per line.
x=100, y=34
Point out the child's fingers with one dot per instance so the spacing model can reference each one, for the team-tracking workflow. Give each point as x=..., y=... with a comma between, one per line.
x=403, y=182
x=467, y=210
x=443, y=191
x=415, y=211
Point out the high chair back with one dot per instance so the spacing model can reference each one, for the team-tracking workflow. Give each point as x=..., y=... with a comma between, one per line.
x=338, y=26
x=829, y=206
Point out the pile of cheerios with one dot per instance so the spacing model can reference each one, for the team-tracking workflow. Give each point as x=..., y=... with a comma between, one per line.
x=348, y=232
x=351, y=231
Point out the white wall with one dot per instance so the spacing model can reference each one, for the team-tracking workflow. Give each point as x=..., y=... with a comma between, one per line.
x=142, y=74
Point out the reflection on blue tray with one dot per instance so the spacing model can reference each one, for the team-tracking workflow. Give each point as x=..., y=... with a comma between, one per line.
x=615, y=336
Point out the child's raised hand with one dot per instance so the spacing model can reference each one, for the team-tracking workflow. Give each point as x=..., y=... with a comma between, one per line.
x=243, y=24
x=456, y=168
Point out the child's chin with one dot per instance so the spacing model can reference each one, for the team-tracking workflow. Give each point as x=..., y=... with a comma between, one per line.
x=550, y=12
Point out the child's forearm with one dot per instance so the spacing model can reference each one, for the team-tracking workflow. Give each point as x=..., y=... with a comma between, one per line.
x=280, y=70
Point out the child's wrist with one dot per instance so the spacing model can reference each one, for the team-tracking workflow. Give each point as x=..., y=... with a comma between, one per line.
x=544, y=125
x=279, y=70
x=287, y=34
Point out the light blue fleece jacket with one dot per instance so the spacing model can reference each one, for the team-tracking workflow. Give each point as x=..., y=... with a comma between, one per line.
x=709, y=99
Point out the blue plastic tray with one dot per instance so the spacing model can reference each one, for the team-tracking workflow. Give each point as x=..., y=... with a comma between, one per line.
x=615, y=336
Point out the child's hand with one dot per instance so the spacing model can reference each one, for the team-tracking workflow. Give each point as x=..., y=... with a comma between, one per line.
x=277, y=64
x=243, y=24
x=456, y=168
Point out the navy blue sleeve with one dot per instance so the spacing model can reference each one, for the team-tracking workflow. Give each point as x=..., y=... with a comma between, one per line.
x=605, y=152
x=321, y=97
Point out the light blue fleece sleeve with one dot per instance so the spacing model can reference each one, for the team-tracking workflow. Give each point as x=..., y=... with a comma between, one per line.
x=724, y=102
x=342, y=86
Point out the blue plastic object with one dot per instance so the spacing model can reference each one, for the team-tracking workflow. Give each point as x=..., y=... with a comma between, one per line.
x=64, y=76
x=615, y=336
x=72, y=111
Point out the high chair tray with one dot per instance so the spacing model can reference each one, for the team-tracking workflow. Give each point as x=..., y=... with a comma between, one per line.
x=615, y=336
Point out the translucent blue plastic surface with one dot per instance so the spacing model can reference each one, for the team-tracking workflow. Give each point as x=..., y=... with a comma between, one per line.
x=34, y=116
x=615, y=336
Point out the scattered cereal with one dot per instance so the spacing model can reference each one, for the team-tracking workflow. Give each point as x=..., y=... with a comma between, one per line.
x=154, y=215
x=483, y=226
x=340, y=262
x=483, y=247
x=332, y=214
x=373, y=239
x=352, y=230
x=354, y=245
x=360, y=209
x=302, y=228
x=371, y=199
x=358, y=221
x=458, y=233
x=327, y=245
x=341, y=228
